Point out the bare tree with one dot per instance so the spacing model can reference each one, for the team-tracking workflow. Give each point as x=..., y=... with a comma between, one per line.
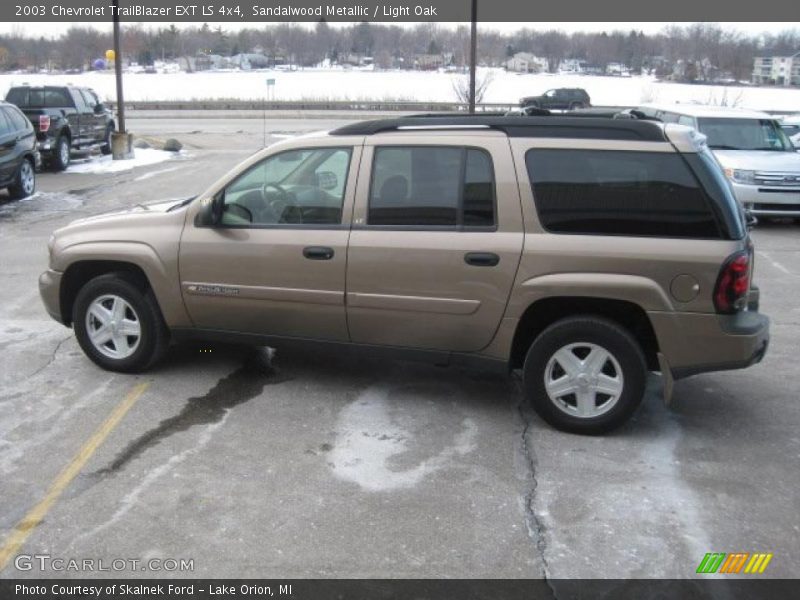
x=461, y=87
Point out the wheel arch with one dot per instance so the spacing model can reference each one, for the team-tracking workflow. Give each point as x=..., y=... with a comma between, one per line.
x=544, y=312
x=81, y=272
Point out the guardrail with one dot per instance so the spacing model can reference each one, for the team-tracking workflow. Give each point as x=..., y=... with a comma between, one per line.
x=337, y=105
x=357, y=105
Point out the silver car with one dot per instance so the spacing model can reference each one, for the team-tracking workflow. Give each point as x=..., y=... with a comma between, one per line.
x=759, y=159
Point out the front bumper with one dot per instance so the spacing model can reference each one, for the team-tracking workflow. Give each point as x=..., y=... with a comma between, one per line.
x=50, y=291
x=695, y=343
x=769, y=201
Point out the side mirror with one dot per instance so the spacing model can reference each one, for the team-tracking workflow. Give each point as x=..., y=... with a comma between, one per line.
x=99, y=109
x=327, y=180
x=217, y=208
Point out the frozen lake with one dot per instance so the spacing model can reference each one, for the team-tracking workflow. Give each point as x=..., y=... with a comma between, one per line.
x=329, y=84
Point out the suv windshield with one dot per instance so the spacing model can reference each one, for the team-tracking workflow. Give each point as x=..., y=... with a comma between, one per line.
x=744, y=134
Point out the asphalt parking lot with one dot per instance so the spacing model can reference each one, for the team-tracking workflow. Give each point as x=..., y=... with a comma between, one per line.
x=329, y=465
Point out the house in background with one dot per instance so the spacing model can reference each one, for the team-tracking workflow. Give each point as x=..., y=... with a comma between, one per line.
x=525, y=62
x=777, y=70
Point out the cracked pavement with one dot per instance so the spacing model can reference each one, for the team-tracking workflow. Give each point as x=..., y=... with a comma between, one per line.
x=332, y=465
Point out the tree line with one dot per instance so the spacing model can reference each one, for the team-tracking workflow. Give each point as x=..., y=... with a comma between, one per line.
x=391, y=46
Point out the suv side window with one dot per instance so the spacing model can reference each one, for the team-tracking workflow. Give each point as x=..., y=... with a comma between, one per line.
x=432, y=186
x=297, y=187
x=611, y=192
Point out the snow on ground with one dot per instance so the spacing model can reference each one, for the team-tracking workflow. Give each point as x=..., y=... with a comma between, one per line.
x=329, y=84
x=104, y=164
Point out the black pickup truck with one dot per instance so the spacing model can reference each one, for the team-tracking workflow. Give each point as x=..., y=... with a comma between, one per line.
x=67, y=119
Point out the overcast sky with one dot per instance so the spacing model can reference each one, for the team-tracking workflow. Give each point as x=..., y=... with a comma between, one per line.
x=54, y=29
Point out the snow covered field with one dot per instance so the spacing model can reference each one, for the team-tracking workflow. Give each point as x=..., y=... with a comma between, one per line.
x=327, y=84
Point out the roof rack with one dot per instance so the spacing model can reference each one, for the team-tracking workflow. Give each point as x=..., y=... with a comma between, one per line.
x=517, y=126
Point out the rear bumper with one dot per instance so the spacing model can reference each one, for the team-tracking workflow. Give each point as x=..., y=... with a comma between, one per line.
x=50, y=291
x=695, y=343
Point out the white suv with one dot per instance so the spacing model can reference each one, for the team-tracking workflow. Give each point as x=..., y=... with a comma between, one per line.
x=758, y=157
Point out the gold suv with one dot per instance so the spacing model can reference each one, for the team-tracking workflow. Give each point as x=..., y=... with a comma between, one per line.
x=583, y=251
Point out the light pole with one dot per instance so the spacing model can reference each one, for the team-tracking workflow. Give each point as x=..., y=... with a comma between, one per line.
x=121, y=142
x=473, y=55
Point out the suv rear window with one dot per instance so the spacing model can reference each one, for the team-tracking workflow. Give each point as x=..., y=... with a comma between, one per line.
x=432, y=186
x=611, y=192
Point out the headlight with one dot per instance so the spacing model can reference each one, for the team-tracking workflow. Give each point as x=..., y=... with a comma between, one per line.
x=741, y=176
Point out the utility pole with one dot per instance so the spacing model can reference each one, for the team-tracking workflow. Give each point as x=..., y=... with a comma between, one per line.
x=118, y=70
x=473, y=55
x=121, y=141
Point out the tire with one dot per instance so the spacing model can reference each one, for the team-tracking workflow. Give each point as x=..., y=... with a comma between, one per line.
x=24, y=182
x=106, y=147
x=128, y=310
x=576, y=105
x=61, y=153
x=580, y=343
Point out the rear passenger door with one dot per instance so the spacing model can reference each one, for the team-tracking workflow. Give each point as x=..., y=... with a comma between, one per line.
x=435, y=242
x=85, y=117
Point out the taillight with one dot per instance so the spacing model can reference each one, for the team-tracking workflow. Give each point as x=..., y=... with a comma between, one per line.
x=733, y=283
x=44, y=123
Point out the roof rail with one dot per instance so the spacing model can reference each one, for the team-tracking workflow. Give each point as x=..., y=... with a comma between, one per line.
x=518, y=126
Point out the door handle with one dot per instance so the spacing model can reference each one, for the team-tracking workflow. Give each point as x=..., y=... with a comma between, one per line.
x=481, y=259
x=318, y=252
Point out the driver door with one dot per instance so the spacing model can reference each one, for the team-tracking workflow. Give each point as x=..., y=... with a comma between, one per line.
x=275, y=263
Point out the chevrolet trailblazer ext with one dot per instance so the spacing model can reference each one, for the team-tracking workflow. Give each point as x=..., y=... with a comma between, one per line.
x=584, y=251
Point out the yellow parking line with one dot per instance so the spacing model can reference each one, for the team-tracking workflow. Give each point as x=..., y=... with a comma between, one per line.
x=26, y=526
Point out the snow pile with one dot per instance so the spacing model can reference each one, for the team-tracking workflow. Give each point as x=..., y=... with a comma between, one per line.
x=104, y=164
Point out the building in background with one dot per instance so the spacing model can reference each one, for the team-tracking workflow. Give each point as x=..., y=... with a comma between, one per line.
x=777, y=70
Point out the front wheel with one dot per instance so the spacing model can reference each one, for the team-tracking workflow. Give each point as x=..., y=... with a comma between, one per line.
x=25, y=181
x=106, y=147
x=585, y=374
x=119, y=326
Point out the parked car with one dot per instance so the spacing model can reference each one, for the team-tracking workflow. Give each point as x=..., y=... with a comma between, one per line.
x=67, y=120
x=471, y=240
x=559, y=98
x=757, y=156
x=19, y=157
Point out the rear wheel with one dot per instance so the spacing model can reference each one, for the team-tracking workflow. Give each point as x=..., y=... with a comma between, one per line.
x=61, y=153
x=576, y=105
x=585, y=375
x=119, y=326
x=25, y=181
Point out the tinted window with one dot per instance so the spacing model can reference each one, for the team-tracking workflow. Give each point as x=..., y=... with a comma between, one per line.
x=18, y=96
x=299, y=187
x=618, y=193
x=431, y=186
x=39, y=97
x=18, y=120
